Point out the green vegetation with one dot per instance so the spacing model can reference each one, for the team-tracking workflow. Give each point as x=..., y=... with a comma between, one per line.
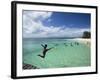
x=86, y=34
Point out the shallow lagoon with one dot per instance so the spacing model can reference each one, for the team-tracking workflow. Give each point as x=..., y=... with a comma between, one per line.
x=64, y=54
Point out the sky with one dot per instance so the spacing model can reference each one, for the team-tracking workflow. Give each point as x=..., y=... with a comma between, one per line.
x=37, y=24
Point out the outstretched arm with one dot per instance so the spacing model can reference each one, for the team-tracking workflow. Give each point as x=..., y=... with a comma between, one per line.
x=42, y=45
x=50, y=48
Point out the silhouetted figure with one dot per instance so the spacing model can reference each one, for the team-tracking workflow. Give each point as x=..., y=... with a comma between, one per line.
x=44, y=50
x=65, y=44
x=76, y=43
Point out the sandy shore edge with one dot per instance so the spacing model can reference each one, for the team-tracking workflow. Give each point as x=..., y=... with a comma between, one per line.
x=84, y=41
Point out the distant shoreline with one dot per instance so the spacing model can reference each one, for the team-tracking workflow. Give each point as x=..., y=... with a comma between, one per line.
x=86, y=41
x=53, y=38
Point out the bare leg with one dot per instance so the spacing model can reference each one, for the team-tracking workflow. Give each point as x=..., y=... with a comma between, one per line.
x=41, y=56
x=44, y=54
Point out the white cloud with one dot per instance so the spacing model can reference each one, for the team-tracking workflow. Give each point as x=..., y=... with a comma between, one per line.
x=32, y=20
x=37, y=15
x=33, y=26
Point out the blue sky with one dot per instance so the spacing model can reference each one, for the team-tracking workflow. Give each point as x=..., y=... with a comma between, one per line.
x=77, y=20
x=54, y=24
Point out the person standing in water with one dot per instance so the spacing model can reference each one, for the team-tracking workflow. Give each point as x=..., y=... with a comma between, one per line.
x=44, y=50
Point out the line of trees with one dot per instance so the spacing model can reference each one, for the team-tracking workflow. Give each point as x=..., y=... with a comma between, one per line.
x=86, y=34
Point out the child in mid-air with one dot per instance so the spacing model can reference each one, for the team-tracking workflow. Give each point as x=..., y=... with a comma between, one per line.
x=44, y=50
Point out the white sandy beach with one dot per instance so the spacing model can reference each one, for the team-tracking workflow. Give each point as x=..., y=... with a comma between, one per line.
x=85, y=41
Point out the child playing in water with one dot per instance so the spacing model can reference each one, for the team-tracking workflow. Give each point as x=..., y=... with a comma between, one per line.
x=44, y=50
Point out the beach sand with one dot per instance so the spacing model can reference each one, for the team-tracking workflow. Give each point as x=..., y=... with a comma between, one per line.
x=84, y=41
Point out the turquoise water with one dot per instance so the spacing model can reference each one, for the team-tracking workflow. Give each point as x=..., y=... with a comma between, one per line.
x=64, y=54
